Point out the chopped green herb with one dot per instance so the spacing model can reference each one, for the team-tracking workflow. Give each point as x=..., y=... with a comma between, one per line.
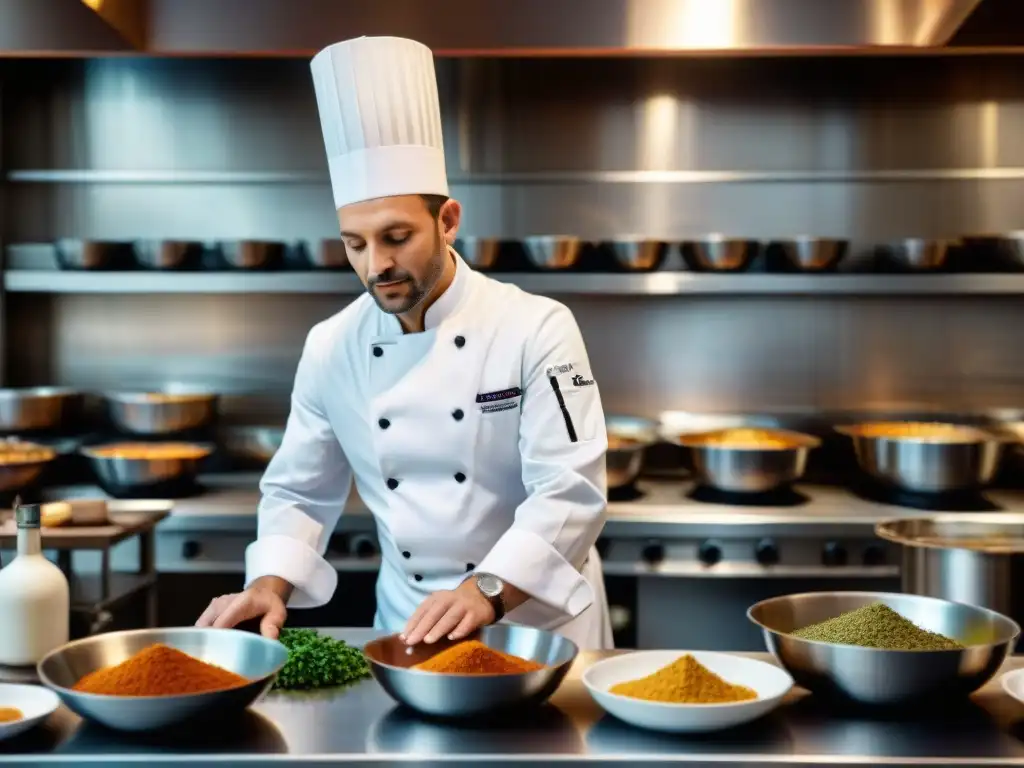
x=876, y=626
x=318, y=661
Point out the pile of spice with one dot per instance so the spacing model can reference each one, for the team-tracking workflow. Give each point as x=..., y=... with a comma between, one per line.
x=684, y=681
x=474, y=658
x=877, y=626
x=10, y=714
x=318, y=661
x=159, y=671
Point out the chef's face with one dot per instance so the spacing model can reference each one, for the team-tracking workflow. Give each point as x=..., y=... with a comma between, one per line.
x=399, y=247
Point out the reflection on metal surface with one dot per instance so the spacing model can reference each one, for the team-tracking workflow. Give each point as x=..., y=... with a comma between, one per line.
x=543, y=27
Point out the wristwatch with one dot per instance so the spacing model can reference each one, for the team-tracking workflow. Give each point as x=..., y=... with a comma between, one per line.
x=492, y=588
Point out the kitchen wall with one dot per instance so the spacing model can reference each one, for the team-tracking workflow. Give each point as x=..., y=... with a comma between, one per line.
x=862, y=148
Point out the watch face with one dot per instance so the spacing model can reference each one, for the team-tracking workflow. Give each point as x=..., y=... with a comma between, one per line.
x=489, y=585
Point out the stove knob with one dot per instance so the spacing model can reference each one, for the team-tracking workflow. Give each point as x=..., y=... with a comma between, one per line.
x=833, y=554
x=767, y=552
x=874, y=554
x=191, y=550
x=709, y=553
x=653, y=553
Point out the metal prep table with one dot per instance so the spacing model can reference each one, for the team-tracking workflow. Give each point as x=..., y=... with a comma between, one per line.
x=362, y=726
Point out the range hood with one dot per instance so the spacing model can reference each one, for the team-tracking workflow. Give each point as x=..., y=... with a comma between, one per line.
x=467, y=28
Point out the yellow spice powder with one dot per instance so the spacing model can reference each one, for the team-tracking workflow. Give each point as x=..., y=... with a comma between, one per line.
x=684, y=681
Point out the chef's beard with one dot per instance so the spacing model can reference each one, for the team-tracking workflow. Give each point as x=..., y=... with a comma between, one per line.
x=417, y=290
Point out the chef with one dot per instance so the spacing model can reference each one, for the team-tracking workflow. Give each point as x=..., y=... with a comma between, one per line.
x=463, y=408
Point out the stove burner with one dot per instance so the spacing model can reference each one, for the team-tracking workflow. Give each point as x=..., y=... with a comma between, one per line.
x=780, y=497
x=625, y=493
x=949, y=501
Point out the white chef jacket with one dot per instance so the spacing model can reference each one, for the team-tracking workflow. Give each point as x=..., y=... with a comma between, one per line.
x=478, y=445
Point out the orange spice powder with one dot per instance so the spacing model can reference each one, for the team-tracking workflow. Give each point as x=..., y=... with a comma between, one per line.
x=159, y=671
x=474, y=658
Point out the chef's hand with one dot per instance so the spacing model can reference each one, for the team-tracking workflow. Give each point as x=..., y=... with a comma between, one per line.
x=455, y=613
x=265, y=597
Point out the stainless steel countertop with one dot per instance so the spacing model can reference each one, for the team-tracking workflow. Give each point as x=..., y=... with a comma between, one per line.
x=229, y=506
x=361, y=725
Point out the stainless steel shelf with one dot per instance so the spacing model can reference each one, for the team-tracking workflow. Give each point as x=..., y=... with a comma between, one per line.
x=566, y=283
x=185, y=176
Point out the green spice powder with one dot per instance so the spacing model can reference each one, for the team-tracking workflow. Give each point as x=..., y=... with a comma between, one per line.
x=876, y=626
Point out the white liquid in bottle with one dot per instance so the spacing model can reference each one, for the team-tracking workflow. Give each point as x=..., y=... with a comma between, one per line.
x=34, y=597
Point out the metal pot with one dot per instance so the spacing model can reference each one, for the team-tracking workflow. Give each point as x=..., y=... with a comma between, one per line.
x=161, y=412
x=810, y=254
x=329, y=254
x=125, y=477
x=749, y=469
x=37, y=408
x=252, y=254
x=18, y=472
x=628, y=438
x=167, y=254
x=965, y=462
x=553, y=251
x=255, y=444
x=92, y=254
x=719, y=254
x=970, y=558
x=918, y=254
x=639, y=255
x=479, y=252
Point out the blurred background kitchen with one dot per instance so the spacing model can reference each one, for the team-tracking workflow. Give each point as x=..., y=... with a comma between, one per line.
x=768, y=236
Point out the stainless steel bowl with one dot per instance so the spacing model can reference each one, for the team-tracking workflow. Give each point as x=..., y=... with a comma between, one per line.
x=244, y=653
x=17, y=474
x=919, y=254
x=625, y=462
x=92, y=254
x=167, y=254
x=811, y=254
x=35, y=408
x=121, y=476
x=878, y=677
x=251, y=254
x=553, y=251
x=924, y=466
x=257, y=444
x=330, y=254
x=164, y=411
x=749, y=470
x=719, y=253
x=639, y=255
x=479, y=252
x=459, y=696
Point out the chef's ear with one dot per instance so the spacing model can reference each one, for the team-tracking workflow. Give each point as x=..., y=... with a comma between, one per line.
x=449, y=218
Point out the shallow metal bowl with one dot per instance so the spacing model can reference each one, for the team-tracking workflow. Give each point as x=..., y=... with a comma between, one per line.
x=919, y=254
x=167, y=254
x=16, y=475
x=458, y=696
x=37, y=408
x=130, y=477
x=244, y=653
x=719, y=253
x=553, y=251
x=171, y=409
x=639, y=255
x=257, y=444
x=92, y=254
x=329, y=253
x=479, y=252
x=749, y=470
x=923, y=466
x=624, y=461
x=811, y=254
x=878, y=677
x=252, y=254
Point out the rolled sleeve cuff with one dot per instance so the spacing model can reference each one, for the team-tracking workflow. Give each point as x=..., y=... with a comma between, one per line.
x=301, y=566
x=528, y=562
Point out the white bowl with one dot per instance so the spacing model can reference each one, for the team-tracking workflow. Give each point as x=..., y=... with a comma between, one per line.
x=35, y=702
x=769, y=682
x=1013, y=684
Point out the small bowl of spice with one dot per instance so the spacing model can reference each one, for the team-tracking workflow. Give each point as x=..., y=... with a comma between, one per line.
x=884, y=649
x=23, y=707
x=148, y=679
x=686, y=692
x=498, y=668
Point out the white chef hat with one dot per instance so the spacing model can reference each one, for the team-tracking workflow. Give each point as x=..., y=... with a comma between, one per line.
x=381, y=119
